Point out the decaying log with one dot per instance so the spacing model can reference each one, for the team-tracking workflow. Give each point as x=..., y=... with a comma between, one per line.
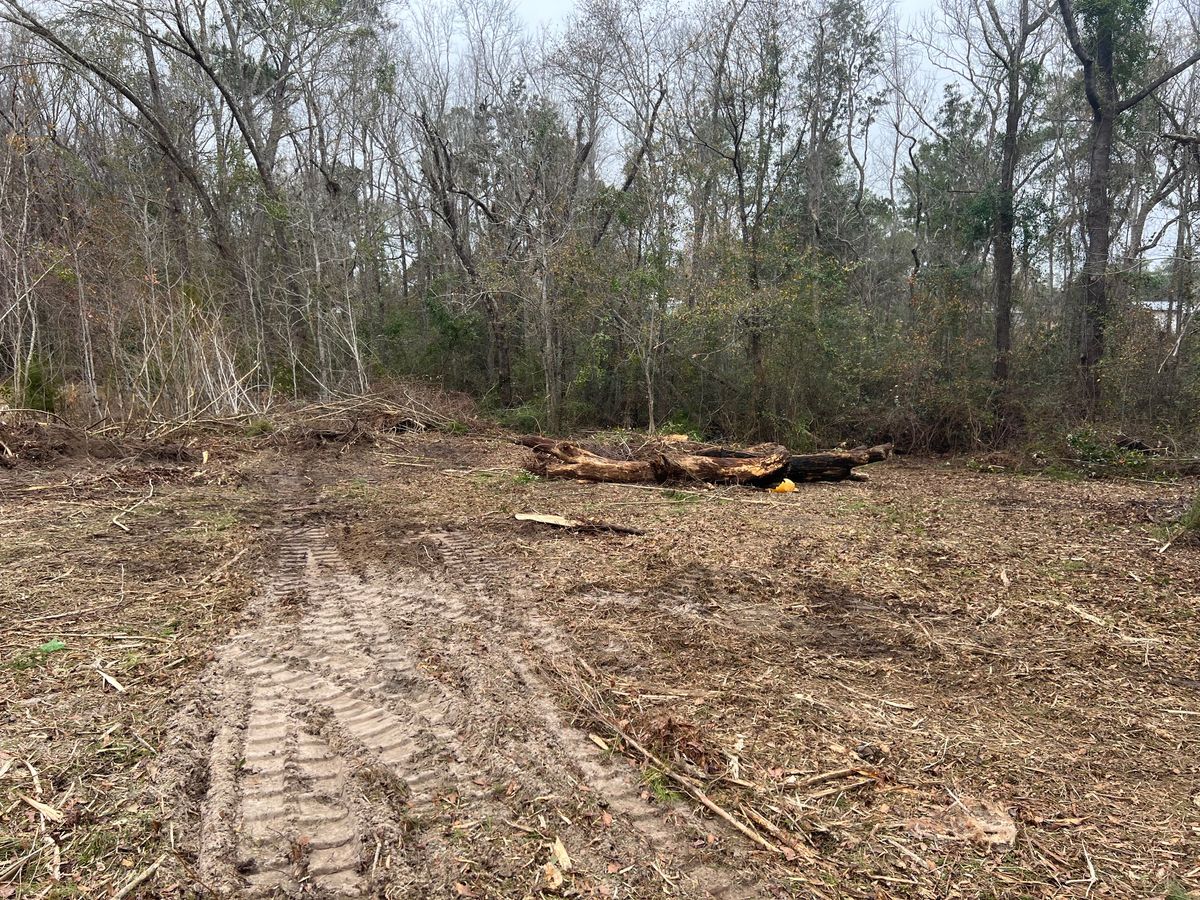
x=739, y=467
x=761, y=466
x=833, y=465
x=561, y=459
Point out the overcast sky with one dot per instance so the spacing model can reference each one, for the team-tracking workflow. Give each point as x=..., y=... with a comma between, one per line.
x=547, y=12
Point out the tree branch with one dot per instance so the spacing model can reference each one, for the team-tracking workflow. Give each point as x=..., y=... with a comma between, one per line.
x=1159, y=81
x=1085, y=58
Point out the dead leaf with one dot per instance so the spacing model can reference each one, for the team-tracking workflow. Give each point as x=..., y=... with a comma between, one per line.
x=561, y=856
x=48, y=811
x=552, y=876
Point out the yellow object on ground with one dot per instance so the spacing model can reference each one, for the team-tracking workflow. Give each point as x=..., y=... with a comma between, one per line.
x=784, y=487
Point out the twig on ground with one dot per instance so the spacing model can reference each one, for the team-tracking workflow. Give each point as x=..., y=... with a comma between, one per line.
x=688, y=785
x=779, y=834
x=834, y=775
x=221, y=569
x=841, y=788
x=140, y=878
x=116, y=520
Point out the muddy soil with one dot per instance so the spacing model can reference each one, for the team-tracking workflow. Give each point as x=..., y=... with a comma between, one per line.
x=388, y=735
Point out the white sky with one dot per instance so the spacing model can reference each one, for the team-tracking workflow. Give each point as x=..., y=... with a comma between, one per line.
x=548, y=12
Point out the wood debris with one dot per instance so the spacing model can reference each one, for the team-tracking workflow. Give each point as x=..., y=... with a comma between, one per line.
x=763, y=465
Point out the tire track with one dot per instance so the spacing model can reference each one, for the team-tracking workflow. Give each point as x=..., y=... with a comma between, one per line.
x=278, y=819
x=515, y=614
x=369, y=727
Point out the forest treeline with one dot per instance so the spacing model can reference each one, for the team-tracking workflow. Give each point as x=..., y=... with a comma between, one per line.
x=761, y=219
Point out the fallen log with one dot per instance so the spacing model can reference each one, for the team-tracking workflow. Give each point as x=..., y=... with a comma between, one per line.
x=760, y=466
x=832, y=465
x=560, y=459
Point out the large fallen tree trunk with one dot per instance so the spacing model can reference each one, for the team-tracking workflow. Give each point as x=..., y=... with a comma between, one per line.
x=561, y=459
x=762, y=466
x=833, y=465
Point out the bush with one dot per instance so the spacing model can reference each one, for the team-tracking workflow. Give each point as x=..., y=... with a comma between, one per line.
x=527, y=418
x=43, y=388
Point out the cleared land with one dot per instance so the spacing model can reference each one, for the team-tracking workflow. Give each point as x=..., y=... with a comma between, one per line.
x=348, y=670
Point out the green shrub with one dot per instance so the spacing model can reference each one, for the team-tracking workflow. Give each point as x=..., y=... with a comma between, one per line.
x=43, y=388
x=528, y=418
x=1189, y=522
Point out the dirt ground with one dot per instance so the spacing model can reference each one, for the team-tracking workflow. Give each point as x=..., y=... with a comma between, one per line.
x=348, y=671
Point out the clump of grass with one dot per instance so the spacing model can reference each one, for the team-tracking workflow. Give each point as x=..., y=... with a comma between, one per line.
x=37, y=655
x=684, y=497
x=354, y=489
x=1189, y=522
x=660, y=786
x=259, y=428
x=1191, y=519
x=1185, y=528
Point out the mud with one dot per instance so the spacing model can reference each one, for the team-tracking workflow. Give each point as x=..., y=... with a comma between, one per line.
x=392, y=735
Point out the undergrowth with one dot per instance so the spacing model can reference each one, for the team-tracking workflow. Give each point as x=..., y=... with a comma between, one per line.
x=1189, y=523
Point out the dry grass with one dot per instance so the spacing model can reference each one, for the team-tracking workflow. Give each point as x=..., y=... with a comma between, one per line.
x=116, y=578
x=874, y=676
x=945, y=643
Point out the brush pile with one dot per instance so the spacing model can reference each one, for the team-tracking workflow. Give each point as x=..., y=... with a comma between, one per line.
x=36, y=438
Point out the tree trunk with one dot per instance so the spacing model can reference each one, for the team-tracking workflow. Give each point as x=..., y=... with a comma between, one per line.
x=1005, y=222
x=1095, y=267
x=551, y=350
x=499, y=356
x=761, y=466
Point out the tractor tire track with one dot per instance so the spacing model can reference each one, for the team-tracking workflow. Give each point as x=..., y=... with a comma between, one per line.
x=516, y=613
x=369, y=725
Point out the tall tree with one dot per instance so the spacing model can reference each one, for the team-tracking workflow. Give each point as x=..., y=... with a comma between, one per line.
x=1110, y=48
x=1007, y=34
